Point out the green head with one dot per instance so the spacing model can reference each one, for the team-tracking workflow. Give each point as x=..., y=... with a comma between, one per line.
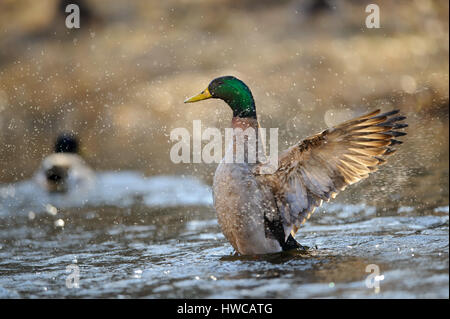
x=231, y=90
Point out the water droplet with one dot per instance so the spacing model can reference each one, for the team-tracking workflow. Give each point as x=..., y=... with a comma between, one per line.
x=52, y=210
x=59, y=223
x=31, y=215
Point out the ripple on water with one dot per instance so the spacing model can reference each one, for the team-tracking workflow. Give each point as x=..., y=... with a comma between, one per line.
x=120, y=189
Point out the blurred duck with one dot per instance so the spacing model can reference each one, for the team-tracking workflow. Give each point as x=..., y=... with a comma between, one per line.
x=64, y=170
x=261, y=213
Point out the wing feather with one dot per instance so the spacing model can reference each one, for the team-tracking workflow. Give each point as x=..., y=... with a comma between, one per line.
x=319, y=167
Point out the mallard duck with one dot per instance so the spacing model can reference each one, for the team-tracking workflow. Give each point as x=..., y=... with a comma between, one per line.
x=261, y=213
x=64, y=170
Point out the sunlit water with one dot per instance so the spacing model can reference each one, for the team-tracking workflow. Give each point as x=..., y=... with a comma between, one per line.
x=158, y=237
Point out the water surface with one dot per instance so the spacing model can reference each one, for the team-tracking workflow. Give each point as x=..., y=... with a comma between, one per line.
x=158, y=238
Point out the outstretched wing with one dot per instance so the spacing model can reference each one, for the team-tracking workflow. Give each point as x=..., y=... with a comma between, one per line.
x=319, y=167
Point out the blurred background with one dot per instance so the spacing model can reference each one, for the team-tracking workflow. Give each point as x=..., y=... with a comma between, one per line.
x=120, y=80
x=119, y=83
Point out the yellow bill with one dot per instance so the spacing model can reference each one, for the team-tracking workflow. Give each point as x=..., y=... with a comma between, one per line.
x=202, y=96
